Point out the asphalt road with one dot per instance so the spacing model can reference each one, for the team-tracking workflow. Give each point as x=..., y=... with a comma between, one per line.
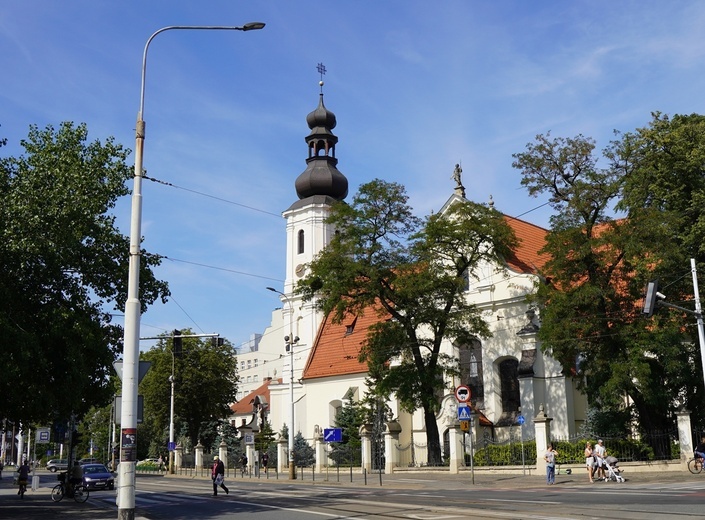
x=421, y=496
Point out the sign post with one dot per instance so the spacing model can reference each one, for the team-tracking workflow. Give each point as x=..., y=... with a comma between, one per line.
x=462, y=394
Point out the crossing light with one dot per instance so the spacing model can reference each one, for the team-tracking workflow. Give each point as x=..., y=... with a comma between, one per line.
x=76, y=438
x=651, y=299
x=177, y=339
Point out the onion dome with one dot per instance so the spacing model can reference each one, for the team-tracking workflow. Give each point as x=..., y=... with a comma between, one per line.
x=321, y=176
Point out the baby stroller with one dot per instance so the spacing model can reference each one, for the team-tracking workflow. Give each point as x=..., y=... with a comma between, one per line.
x=613, y=472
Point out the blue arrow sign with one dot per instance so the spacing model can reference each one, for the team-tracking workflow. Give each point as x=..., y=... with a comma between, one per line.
x=463, y=413
x=521, y=419
x=333, y=434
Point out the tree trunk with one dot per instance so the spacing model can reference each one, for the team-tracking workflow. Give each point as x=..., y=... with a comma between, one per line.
x=433, y=442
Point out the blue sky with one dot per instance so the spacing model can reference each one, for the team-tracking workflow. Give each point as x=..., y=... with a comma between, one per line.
x=416, y=86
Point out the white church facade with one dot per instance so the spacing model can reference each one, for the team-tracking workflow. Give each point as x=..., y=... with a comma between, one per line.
x=508, y=374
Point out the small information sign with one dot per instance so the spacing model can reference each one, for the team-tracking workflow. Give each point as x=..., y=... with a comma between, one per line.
x=333, y=434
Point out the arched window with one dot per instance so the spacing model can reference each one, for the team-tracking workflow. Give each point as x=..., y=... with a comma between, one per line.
x=470, y=364
x=301, y=241
x=509, y=384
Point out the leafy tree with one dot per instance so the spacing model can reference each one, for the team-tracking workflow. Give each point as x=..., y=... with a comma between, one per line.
x=414, y=272
x=304, y=454
x=63, y=264
x=205, y=386
x=595, y=277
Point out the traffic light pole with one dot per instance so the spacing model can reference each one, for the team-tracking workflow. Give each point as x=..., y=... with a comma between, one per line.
x=655, y=299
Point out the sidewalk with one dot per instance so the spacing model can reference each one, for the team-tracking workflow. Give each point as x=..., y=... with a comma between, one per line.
x=440, y=479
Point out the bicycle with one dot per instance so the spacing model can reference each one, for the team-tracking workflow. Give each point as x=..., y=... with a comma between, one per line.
x=80, y=492
x=695, y=465
x=23, y=487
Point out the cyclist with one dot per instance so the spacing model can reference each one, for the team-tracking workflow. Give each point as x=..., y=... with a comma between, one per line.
x=700, y=448
x=75, y=476
x=243, y=464
x=23, y=478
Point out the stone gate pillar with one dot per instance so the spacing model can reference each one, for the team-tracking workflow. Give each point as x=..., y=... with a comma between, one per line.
x=223, y=453
x=542, y=424
x=282, y=455
x=199, y=455
x=366, y=438
x=391, y=453
x=178, y=456
x=685, y=436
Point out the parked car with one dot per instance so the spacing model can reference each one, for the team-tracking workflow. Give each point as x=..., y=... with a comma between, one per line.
x=88, y=461
x=97, y=476
x=55, y=465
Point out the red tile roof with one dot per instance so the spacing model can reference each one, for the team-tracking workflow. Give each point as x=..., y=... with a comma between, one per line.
x=532, y=238
x=244, y=405
x=337, y=346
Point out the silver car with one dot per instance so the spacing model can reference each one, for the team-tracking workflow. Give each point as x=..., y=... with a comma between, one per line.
x=55, y=465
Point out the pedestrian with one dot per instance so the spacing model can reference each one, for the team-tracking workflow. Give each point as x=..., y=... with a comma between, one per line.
x=550, y=458
x=218, y=476
x=600, y=454
x=589, y=460
x=2, y=466
x=161, y=463
x=265, y=461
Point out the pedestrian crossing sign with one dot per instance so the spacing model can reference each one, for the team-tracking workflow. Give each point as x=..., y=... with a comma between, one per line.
x=463, y=413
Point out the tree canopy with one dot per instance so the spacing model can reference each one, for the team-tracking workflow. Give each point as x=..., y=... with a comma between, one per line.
x=413, y=271
x=205, y=386
x=64, y=266
x=615, y=227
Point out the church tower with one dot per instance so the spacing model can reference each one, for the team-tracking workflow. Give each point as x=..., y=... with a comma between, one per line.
x=318, y=187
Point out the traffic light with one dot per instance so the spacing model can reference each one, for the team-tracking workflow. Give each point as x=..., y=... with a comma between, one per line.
x=177, y=342
x=651, y=299
x=76, y=437
x=218, y=341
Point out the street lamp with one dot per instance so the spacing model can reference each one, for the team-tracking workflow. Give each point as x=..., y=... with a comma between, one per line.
x=130, y=375
x=290, y=341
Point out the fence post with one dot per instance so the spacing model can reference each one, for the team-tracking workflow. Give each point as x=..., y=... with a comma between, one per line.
x=542, y=424
x=685, y=435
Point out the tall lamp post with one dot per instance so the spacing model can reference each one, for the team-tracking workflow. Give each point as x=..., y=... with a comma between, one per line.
x=290, y=341
x=171, y=418
x=130, y=377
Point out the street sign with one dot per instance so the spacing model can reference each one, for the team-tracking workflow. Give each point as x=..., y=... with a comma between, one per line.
x=462, y=394
x=143, y=368
x=333, y=434
x=42, y=435
x=172, y=446
x=463, y=413
x=521, y=419
x=465, y=426
x=249, y=439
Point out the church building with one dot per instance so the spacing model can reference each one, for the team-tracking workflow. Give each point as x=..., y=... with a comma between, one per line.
x=510, y=378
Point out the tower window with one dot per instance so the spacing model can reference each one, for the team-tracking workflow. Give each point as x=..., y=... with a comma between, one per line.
x=301, y=241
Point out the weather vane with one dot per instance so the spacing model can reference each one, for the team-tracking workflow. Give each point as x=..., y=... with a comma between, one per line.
x=321, y=70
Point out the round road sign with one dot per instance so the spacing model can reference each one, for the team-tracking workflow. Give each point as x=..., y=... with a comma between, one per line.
x=462, y=394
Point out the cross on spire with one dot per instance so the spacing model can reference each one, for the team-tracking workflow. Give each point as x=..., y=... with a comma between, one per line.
x=321, y=70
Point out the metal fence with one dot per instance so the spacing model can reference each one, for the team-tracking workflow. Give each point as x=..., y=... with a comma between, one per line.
x=647, y=446
x=514, y=449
